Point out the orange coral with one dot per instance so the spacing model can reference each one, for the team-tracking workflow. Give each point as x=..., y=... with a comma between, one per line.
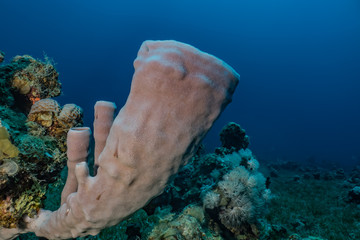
x=34, y=99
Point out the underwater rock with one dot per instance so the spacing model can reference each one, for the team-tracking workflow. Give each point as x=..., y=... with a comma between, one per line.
x=354, y=195
x=296, y=178
x=232, y=135
x=189, y=224
x=340, y=174
x=317, y=175
x=337, y=174
x=354, y=175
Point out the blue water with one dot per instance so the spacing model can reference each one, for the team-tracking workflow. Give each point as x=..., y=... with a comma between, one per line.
x=299, y=61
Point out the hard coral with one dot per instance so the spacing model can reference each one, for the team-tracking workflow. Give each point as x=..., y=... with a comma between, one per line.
x=233, y=136
x=70, y=114
x=44, y=112
x=28, y=162
x=37, y=80
x=45, y=117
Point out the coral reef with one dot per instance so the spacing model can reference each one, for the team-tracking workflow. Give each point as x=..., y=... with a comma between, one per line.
x=233, y=138
x=229, y=189
x=26, y=80
x=44, y=112
x=239, y=199
x=46, y=117
x=37, y=80
x=32, y=145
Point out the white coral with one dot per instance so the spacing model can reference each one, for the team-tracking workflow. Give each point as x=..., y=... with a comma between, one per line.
x=245, y=190
x=211, y=200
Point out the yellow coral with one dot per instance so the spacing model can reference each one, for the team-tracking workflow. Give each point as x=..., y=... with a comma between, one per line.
x=22, y=85
x=4, y=133
x=7, y=149
x=29, y=203
x=6, y=213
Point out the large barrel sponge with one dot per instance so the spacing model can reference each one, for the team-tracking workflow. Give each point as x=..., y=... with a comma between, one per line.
x=177, y=93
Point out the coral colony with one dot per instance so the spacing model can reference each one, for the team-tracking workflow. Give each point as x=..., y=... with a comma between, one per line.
x=177, y=93
x=32, y=136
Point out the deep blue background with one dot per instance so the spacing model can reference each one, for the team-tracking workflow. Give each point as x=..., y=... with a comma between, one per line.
x=299, y=61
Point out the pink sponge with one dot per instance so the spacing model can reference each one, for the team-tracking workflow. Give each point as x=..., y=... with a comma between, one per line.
x=177, y=93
